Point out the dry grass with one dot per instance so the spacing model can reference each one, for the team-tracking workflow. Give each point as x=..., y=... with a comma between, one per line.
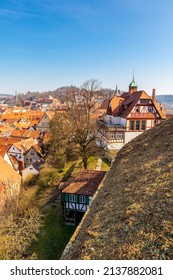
x=132, y=214
x=19, y=225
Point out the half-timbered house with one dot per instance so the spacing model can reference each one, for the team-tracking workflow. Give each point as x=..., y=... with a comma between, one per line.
x=76, y=195
x=127, y=116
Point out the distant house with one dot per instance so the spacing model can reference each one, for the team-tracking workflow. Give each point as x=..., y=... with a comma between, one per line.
x=17, y=150
x=25, y=151
x=11, y=160
x=32, y=155
x=5, y=130
x=76, y=195
x=127, y=116
x=10, y=182
x=44, y=122
x=26, y=133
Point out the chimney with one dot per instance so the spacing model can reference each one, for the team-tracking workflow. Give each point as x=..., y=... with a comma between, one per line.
x=154, y=94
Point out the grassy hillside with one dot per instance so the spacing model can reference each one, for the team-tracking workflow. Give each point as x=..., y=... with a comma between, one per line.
x=32, y=227
x=131, y=216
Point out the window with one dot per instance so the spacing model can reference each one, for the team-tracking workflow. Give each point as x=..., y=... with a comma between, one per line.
x=120, y=135
x=137, y=125
x=150, y=109
x=112, y=135
x=137, y=109
x=32, y=153
x=71, y=198
x=144, y=101
x=131, y=125
x=82, y=199
x=143, y=125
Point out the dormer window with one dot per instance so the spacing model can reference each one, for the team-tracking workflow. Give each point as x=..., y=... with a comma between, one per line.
x=144, y=101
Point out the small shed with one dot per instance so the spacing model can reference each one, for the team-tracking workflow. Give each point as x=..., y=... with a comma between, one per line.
x=77, y=194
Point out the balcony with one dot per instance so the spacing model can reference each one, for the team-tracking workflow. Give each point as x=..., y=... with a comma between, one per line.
x=110, y=127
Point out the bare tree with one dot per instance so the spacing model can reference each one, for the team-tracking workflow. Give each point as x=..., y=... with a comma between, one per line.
x=77, y=134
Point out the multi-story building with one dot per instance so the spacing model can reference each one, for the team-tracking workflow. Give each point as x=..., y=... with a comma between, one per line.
x=127, y=116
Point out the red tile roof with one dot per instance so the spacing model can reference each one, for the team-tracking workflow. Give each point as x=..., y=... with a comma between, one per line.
x=9, y=176
x=122, y=106
x=86, y=183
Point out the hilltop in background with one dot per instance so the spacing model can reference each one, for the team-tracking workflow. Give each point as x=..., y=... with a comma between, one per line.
x=131, y=215
x=166, y=100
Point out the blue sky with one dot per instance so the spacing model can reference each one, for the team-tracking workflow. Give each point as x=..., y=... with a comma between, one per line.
x=52, y=43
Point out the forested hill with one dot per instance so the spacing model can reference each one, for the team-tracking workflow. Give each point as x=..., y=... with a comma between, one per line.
x=167, y=98
x=131, y=215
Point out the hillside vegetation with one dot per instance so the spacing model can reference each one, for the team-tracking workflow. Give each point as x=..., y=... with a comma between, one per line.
x=131, y=216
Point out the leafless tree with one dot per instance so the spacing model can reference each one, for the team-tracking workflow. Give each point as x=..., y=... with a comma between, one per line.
x=75, y=134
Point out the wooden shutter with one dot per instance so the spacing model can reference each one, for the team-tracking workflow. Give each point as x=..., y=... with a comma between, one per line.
x=66, y=197
x=87, y=200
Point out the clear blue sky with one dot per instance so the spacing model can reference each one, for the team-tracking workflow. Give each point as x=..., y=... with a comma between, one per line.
x=45, y=44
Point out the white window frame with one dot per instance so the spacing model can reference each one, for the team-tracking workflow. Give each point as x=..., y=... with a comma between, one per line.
x=120, y=135
x=82, y=199
x=71, y=198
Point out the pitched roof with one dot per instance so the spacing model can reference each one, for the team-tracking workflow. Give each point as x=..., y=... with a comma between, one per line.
x=9, y=176
x=25, y=144
x=130, y=102
x=5, y=143
x=31, y=134
x=46, y=137
x=14, y=161
x=105, y=104
x=16, y=132
x=2, y=152
x=36, y=148
x=123, y=105
x=85, y=183
x=159, y=109
x=115, y=104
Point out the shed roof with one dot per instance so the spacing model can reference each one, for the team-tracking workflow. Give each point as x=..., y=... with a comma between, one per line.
x=85, y=183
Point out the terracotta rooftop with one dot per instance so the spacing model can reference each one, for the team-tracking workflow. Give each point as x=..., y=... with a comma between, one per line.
x=9, y=176
x=86, y=183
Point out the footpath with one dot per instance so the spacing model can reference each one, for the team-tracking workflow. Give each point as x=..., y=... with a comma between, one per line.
x=99, y=164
